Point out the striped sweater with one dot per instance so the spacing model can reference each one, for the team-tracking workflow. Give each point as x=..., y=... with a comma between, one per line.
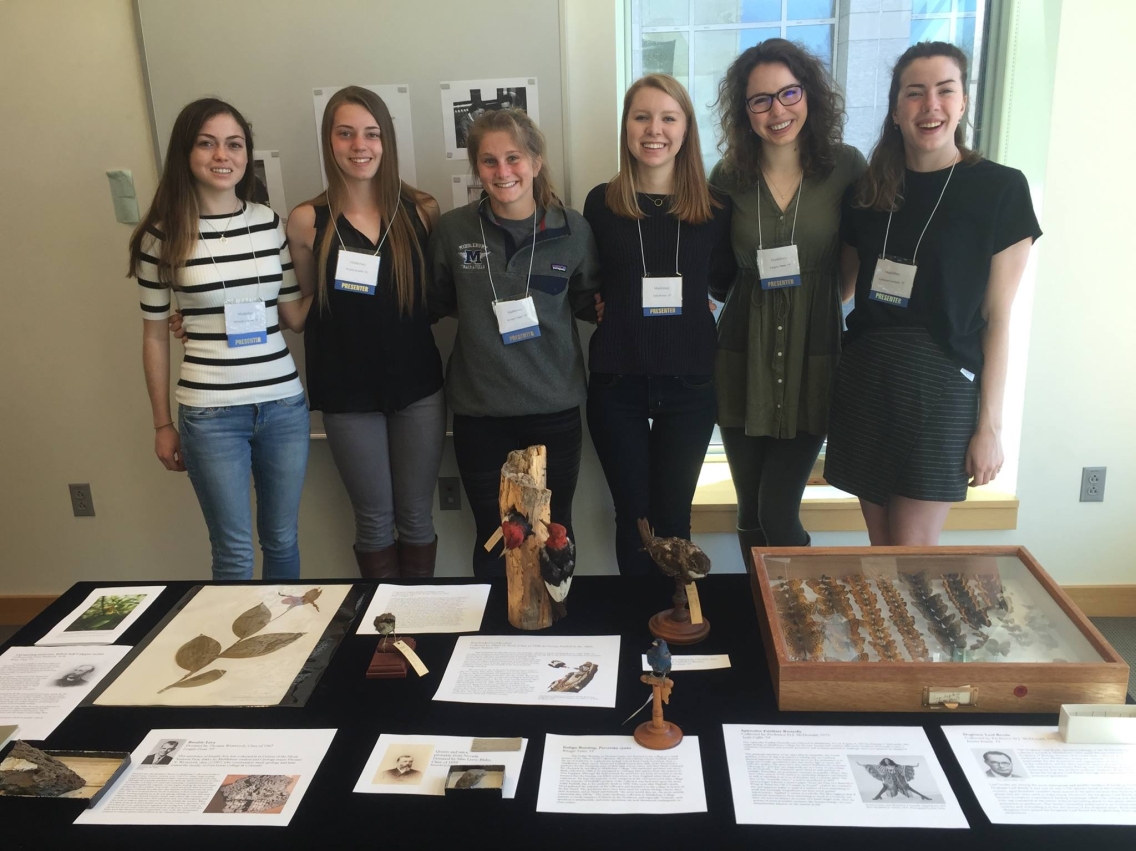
x=212, y=374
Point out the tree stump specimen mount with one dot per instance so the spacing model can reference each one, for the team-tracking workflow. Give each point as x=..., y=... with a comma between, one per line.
x=524, y=479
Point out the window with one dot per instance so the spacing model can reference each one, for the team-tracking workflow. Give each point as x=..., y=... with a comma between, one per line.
x=696, y=40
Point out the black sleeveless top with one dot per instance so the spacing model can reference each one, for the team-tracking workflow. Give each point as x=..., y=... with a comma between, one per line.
x=364, y=355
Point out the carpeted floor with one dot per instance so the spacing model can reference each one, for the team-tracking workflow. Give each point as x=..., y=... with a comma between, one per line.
x=1121, y=634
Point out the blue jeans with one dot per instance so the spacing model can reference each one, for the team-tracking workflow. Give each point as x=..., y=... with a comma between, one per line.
x=650, y=434
x=220, y=448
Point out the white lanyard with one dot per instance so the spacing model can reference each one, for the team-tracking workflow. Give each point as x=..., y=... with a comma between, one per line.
x=245, y=319
x=489, y=265
x=779, y=268
x=893, y=281
x=883, y=251
x=643, y=256
x=796, y=209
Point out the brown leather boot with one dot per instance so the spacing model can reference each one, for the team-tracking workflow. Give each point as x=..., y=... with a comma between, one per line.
x=417, y=560
x=381, y=564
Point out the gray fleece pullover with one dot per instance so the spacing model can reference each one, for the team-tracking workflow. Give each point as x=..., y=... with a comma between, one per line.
x=485, y=377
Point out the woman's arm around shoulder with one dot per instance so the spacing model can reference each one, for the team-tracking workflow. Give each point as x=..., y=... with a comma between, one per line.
x=301, y=234
x=428, y=210
x=585, y=282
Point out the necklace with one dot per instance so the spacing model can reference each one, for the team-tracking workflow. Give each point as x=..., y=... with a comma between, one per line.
x=781, y=196
x=223, y=239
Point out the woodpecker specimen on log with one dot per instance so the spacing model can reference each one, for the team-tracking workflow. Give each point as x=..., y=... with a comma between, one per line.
x=516, y=528
x=676, y=557
x=557, y=562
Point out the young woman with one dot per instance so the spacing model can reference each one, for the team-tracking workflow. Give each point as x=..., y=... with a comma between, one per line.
x=779, y=336
x=514, y=268
x=936, y=240
x=373, y=368
x=664, y=240
x=241, y=408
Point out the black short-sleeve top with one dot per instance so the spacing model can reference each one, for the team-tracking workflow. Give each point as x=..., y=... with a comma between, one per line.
x=985, y=209
x=363, y=354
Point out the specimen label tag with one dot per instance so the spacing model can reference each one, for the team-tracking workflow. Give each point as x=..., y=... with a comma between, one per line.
x=694, y=603
x=495, y=745
x=411, y=657
x=493, y=539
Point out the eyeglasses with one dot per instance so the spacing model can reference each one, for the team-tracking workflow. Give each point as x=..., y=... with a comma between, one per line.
x=764, y=102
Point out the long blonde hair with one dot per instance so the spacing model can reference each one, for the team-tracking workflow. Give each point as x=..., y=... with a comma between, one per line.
x=389, y=192
x=690, y=198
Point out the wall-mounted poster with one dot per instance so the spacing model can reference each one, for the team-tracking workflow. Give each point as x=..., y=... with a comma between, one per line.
x=464, y=100
x=269, y=186
x=467, y=189
x=397, y=98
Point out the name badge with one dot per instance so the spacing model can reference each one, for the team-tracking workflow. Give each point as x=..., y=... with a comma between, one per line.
x=516, y=320
x=662, y=296
x=356, y=272
x=892, y=282
x=779, y=267
x=245, y=323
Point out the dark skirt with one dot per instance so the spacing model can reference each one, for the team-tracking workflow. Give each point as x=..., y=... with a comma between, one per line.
x=902, y=418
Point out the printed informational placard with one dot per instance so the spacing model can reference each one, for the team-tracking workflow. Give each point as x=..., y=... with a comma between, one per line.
x=846, y=776
x=39, y=686
x=1029, y=775
x=463, y=101
x=103, y=617
x=397, y=98
x=419, y=765
x=219, y=777
x=532, y=670
x=421, y=609
x=615, y=774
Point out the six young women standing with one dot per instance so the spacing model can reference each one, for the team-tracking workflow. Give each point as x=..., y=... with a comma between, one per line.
x=917, y=407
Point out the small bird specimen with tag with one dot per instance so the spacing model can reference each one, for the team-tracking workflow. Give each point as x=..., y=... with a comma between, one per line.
x=676, y=557
x=659, y=658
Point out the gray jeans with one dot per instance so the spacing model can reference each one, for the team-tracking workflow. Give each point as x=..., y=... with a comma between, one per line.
x=389, y=465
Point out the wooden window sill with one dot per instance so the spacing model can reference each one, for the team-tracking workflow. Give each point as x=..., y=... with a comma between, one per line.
x=826, y=509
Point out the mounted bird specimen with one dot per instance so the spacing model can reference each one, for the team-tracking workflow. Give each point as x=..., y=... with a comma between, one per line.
x=676, y=557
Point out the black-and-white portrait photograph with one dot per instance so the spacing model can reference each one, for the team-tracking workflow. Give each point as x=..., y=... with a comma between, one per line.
x=80, y=675
x=1000, y=765
x=403, y=764
x=896, y=779
x=164, y=753
x=463, y=102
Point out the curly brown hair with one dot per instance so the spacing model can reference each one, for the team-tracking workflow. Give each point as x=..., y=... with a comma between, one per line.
x=819, y=139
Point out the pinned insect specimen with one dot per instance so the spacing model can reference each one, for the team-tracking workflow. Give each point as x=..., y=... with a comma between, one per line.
x=969, y=608
x=903, y=621
x=943, y=626
x=879, y=636
x=803, y=635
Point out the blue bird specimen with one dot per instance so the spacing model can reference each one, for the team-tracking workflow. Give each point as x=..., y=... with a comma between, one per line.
x=659, y=658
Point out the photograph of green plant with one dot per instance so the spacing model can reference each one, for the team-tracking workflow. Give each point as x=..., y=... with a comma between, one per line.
x=106, y=612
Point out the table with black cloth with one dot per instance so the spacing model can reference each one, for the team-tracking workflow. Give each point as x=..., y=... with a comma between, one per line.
x=331, y=816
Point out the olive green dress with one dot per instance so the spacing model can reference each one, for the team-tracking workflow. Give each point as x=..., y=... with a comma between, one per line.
x=777, y=349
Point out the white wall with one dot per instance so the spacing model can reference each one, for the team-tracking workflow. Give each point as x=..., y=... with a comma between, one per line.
x=76, y=405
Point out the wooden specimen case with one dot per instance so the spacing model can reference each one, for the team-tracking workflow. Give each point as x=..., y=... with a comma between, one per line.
x=902, y=629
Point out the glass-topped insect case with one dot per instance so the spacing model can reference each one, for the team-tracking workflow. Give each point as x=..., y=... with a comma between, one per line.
x=905, y=629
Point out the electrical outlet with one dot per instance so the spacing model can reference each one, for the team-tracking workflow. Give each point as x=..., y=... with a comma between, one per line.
x=81, y=502
x=1092, y=484
x=449, y=493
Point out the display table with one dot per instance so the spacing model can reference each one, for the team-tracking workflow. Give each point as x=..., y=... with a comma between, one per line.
x=331, y=816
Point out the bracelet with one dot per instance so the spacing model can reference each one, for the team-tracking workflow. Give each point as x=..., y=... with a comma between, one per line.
x=163, y=425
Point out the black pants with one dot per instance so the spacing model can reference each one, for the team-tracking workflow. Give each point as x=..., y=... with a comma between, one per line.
x=650, y=433
x=482, y=444
x=770, y=475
